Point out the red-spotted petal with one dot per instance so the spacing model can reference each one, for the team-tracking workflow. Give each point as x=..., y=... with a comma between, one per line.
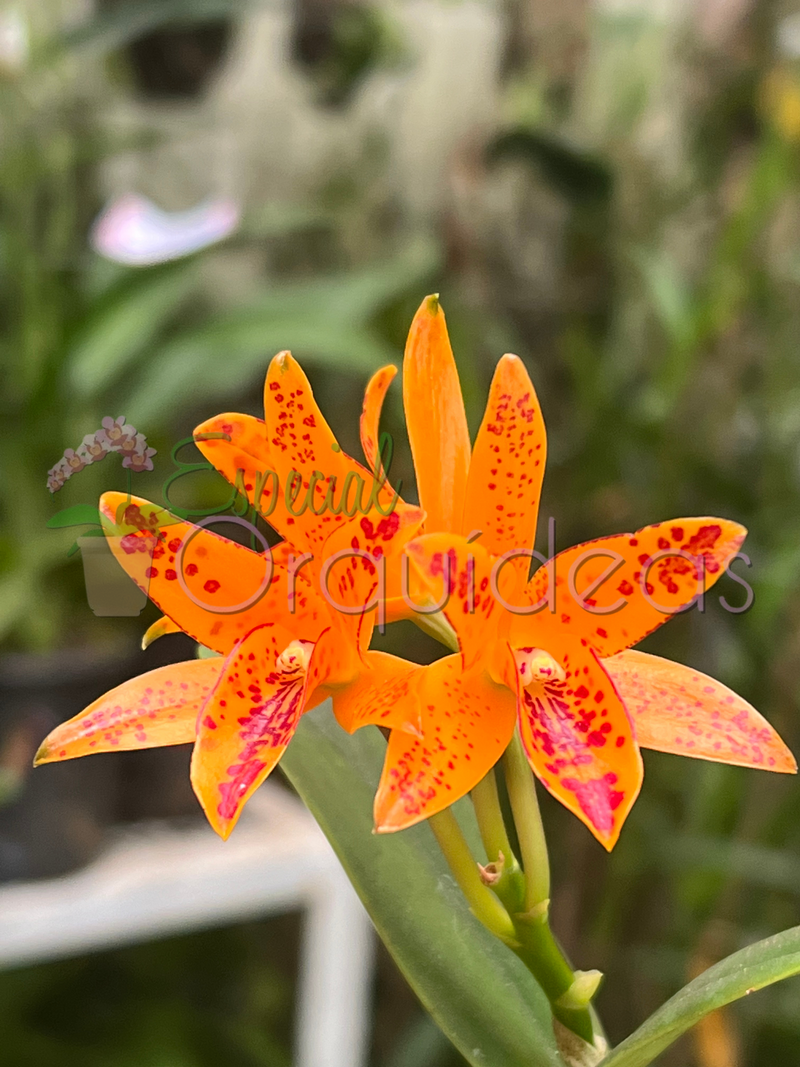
x=467, y=722
x=322, y=486
x=247, y=722
x=155, y=709
x=237, y=446
x=616, y=590
x=214, y=589
x=507, y=466
x=677, y=709
x=454, y=575
x=579, y=741
x=357, y=557
x=383, y=695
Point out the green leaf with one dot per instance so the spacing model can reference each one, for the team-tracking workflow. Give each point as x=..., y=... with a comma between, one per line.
x=322, y=321
x=760, y=865
x=125, y=324
x=225, y=359
x=479, y=993
x=744, y=972
x=77, y=515
x=351, y=297
x=14, y=600
x=669, y=295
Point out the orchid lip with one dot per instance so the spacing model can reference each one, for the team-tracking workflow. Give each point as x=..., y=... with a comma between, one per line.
x=537, y=665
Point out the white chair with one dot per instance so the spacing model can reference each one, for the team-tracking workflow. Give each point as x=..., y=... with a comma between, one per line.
x=154, y=880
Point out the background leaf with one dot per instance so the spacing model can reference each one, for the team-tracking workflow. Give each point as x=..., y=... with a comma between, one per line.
x=325, y=321
x=483, y=998
x=125, y=323
x=77, y=515
x=744, y=972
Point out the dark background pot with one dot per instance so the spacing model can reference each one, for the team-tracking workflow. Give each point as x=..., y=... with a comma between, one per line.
x=55, y=818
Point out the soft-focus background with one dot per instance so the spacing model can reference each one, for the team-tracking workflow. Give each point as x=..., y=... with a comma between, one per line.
x=611, y=189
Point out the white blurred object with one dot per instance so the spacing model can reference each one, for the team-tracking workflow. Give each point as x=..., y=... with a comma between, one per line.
x=135, y=231
x=257, y=134
x=788, y=34
x=155, y=881
x=14, y=41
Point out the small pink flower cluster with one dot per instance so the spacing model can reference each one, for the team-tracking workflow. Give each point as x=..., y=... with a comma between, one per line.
x=115, y=435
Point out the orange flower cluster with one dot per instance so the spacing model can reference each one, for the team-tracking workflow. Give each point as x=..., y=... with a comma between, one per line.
x=549, y=655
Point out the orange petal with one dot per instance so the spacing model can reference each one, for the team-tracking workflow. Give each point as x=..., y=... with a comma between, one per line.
x=395, y=606
x=245, y=462
x=647, y=587
x=322, y=487
x=374, y=396
x=159, y=628
x=383, y=695
x=334, y=665
x=357, y=557
x=247, y=722
x=437, y=423
x=467, y=723
x=237, y=446
x=580, y=743
x=454, y=574
x=507, y=466
x=677, y=709
x=214, y=589
x=157, y=708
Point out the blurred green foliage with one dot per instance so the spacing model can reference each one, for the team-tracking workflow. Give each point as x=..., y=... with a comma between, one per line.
x=81, y=338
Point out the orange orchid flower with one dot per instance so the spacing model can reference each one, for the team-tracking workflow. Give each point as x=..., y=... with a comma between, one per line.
x=550, y=654
x=291, y=626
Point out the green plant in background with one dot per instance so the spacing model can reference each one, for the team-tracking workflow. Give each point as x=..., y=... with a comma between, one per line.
x=78, y=333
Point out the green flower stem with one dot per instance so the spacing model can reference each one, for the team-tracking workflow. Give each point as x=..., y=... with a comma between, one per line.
x=542, y=956
x=528, y=820
x=484, y=904
x=486, y=802
x=539, y=950
x=510, y=883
